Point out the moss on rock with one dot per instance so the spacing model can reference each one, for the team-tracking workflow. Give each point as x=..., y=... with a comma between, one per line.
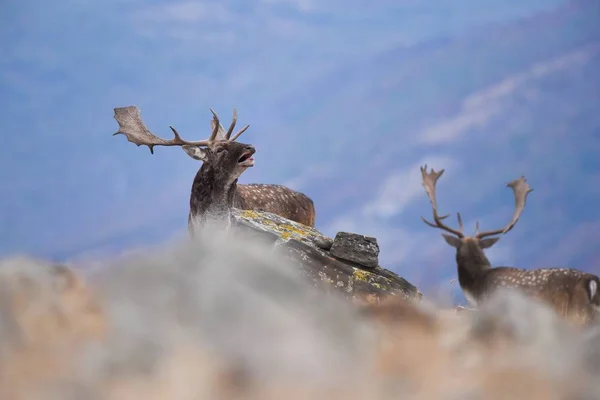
x=303, y=245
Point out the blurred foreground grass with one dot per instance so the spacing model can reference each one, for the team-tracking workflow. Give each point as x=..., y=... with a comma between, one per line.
x=229, y=318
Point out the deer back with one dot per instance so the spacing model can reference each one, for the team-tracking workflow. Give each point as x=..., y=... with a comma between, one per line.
x=573, y=294
x=277, y=199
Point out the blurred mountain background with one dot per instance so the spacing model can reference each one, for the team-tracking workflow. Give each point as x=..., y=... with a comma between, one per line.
x=345, y=101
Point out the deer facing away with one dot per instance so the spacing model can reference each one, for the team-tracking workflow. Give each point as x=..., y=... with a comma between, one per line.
x=214, y=189
x=572, y=293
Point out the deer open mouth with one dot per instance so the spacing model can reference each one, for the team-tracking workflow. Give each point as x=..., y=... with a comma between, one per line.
x=246, y=159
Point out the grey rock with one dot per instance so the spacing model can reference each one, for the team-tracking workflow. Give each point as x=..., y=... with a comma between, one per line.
x=311, y=251
x=356, y=248
x=324, y=243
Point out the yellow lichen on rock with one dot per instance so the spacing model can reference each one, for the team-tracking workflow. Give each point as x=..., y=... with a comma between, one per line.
x=317, y=258
x=360, y=275
x=249, y=214
x=286, y=229
x=368, y=277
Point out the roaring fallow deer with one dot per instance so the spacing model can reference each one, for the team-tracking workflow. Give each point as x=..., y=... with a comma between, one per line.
x=214, y=189
x=572, y=293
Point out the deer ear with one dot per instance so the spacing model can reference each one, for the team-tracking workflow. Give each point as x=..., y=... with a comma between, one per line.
x=196, y=152
x=452, y=240
x=489, y=242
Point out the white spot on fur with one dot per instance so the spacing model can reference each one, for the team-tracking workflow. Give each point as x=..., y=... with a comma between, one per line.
x=593, y=286
x=470, y=298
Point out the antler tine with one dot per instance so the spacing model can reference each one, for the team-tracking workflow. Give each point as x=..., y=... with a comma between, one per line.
x=429, y=182
x=237, y=135
x=227, y=135
x=132, y=126
x=233, y=122
x=460, y=223
x=220, y=130
x=216, y=124
x=175, y=133
x=520, y=189
x=434, y=225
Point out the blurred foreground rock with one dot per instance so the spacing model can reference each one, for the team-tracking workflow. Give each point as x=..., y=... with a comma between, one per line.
x=165, y=326
x=331, y=264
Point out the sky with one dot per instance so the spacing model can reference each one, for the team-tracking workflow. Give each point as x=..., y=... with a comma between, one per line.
x=345, y=101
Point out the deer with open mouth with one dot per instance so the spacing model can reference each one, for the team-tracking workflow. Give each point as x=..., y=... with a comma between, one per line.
x=215, y=189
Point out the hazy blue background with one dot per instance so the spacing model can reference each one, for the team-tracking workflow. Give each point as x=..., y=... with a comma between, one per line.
x=345, y=98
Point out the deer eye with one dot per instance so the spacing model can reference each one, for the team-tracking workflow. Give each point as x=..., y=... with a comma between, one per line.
x=220, y=150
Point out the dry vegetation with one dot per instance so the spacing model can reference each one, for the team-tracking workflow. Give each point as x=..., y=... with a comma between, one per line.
x=230, y=319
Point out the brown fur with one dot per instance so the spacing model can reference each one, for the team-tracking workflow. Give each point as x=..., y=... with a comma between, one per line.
x=566, y=290
x=573, y=294
x=278, y=199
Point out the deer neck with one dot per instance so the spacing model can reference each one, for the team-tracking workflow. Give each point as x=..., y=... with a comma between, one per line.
x=472, y=265
x=212, y=197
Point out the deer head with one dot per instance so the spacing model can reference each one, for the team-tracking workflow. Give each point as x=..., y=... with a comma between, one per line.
x=220, y=150
x=471, y=247
x=224, y=159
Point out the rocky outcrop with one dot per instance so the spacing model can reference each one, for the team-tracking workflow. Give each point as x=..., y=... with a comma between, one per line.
x=347, y=264
x=355, y=248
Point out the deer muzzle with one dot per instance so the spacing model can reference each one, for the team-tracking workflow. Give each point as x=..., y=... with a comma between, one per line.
x=246, y=159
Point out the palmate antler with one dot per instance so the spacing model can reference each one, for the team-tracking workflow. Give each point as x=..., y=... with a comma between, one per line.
x=132, y=126
x=519, y=186
x=429, y=181
x=520, y=189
